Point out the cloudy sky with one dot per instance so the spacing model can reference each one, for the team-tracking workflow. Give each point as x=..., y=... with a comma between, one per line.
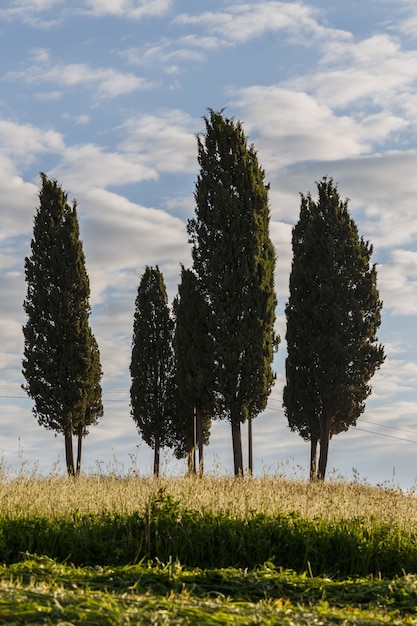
x=107, y=96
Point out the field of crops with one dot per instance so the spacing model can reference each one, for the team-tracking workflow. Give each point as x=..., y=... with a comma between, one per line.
x=105, y=549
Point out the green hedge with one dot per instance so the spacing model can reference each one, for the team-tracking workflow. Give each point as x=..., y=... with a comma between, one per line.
x=357, y=547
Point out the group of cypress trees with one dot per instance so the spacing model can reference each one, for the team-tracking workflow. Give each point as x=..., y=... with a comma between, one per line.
x=210, y=355
x=218, y=361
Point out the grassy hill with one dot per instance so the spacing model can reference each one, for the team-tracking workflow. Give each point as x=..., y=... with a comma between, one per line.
x=105, y=549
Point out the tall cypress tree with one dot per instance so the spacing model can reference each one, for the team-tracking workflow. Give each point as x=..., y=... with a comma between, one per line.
x=152, y=363
x=333, y=315
x=194, y=378
x=234, y=259
x=61, y=361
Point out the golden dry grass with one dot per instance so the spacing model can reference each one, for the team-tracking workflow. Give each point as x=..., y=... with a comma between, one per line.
x=58, y=496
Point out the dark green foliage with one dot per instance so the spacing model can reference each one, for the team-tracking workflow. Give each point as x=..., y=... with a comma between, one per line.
x=166, y=532
x=152, y=363
x=234, y=259
x=194, y=374
x=61, y=361
x=333, y=314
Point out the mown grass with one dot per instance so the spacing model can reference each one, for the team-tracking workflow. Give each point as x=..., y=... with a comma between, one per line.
x=42, y=591
x=125, y=550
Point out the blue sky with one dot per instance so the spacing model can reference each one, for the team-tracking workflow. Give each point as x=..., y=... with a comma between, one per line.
x=107, y=96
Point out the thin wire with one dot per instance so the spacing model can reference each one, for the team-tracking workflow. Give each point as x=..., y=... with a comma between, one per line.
x=385, y=435
x=371, y=431
x=272, y=408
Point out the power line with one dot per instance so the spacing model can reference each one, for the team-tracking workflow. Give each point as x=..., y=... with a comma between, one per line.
x=385, y=435
x=403, y=430
x=371, y=431
x=272, y=408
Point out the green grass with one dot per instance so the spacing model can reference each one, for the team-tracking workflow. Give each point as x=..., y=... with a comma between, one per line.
x=110, y=550
x=42, y=591
x=338, y=547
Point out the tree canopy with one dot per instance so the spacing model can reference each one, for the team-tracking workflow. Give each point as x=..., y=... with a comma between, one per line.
x=234, y=259
x=61, y=361
x=152, y=363
x=194, y=376
x=333, y=314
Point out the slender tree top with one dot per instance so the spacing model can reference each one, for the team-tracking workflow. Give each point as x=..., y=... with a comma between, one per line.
x=61, y=358
x=234, y=259
x=333, y=314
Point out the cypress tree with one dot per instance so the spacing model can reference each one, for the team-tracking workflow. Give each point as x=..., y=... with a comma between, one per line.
x=194, y=380
x=333, y=314
x=234, y=259
x=61, y=361
x=152, y=363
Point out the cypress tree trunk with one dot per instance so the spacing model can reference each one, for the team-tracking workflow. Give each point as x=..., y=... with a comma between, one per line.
x=194, y=439
x=200, y=443
x=69, y=454
x=237, y=447
x=156, y=459
x=79, y=453
x=250, y=447
x=190, y=458
x=313, y=458
x=324, y=448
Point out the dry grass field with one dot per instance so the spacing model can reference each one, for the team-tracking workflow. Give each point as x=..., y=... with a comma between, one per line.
x=101, y=549
x=55, y=495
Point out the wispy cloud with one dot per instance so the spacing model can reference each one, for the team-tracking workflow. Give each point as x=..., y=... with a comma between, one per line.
x=99, y=168
x=166, y=53
x=292, y=126
x=242, y=21
x=167, y=141
x=106, y=82
x=376, y=71
x=47, y=13
x=398, y=282
x=25, y=141
x=39, y=13
x=134, y=9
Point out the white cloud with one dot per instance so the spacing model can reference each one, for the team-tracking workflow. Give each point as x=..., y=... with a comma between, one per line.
x=106, y=82
x=240, y=22
x=166, y=52
x=376, y=69
x=395, y=377
x=409, y=26
x=165, y=141
x=33, y=11
x=48, y=96
x=77, y=119
x=281, y=238
x=32, y=5
x=135, y=9
x=39, y=55
x=24, y=141
x=398, y=282
x=170, y=52
x=17, y=199
x=388, y=213
x=292, y=126
x=87, y=165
